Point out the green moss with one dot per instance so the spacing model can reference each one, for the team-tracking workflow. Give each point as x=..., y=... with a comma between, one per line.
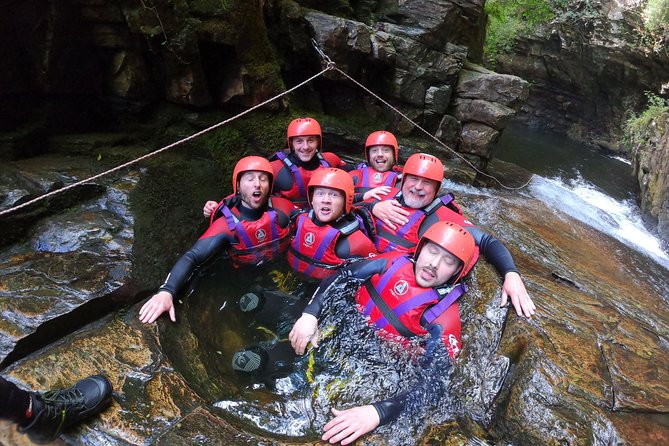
x=209, y=7
x=167, y=205
x=639, y=129
x=510, y=19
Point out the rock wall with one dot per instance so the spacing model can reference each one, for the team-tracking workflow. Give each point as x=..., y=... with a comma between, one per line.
x=103, y=65
x=588, y=69
x=651, y=167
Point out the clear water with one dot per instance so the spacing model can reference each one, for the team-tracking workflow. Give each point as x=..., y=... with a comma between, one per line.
x=352, y=366
x=553, y=155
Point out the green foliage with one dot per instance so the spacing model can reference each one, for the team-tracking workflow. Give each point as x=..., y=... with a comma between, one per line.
x=508, y=19
x=656, y=15
x=655, y=31
x=576, y=11
x=639, y=129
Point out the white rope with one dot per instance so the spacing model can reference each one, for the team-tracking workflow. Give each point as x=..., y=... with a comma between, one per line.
x=329, y=66
x=162, y=149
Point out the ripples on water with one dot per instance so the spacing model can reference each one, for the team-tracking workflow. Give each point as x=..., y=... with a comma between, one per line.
x=351, y=367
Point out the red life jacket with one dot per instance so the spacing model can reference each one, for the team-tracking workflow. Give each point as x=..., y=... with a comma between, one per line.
x=301, y=177
x=312, y=251
x=257, y=241
x=366, y=178
x=406, y=237
x=395, y=303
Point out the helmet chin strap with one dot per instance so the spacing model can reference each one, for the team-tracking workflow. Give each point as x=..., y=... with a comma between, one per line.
x=456, y=274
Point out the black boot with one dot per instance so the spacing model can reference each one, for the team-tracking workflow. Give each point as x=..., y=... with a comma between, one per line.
x=269, y=362
x=56, y=410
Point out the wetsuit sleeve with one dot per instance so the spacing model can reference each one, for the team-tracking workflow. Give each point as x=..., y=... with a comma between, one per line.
x=390, y=408
x=360, y=270
x=493, y=250
x=354, y=245
x=369, y=205
x=283, y=179
x=337, y=162
x=200, y=252
x=358, y=197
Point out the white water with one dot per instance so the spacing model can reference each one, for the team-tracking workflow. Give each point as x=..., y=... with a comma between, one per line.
x=585, y=202
x=590, y=205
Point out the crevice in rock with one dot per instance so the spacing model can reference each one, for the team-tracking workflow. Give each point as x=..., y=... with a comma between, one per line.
x=68, y=323
x=609, y=377
x=15, y=225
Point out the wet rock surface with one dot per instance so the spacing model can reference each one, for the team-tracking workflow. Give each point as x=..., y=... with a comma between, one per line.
x=66, y=259
x=651, y=167
x=589, y=368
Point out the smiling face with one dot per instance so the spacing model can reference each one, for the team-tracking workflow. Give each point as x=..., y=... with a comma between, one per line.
x=327, y=203
x=305, y=147
x=418, y=192
x=253, y=188
x=381, y=158
x=434, y=266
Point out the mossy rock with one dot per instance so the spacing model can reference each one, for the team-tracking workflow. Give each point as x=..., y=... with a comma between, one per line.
x=167, y=207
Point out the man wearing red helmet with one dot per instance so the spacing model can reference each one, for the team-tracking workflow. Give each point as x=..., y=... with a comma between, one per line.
x=380, y=172
x=330, y=233
x=404, y=215
x=250, y=225
x=326, y=237
x=404, y=296
x=293, y=171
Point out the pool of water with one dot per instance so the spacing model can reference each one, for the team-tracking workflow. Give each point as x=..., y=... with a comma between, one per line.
x=352, y=366
x=552, y=155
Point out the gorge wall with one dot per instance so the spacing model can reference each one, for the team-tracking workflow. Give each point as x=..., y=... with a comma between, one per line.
x=589, y=67
x=105, y=65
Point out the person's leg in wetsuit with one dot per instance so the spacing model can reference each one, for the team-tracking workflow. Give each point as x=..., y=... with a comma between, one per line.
x=269, y=361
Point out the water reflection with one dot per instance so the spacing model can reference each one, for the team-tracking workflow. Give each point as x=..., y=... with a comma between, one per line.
x=351, y=367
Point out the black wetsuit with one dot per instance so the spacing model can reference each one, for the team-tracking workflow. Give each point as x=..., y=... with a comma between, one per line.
x=211, y=244
x=495, y=252
x=13, y=401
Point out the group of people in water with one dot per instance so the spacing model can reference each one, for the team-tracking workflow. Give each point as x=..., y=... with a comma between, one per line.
x=383, y=224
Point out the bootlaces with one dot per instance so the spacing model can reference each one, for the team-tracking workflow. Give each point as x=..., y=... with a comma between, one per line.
x=58, y=402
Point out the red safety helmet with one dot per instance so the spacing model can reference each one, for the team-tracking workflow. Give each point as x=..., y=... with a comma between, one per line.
x=334, y=179
x=304, y=127
x=425, y=166
x=248, y=163
x=454, y=239
x=381, y=138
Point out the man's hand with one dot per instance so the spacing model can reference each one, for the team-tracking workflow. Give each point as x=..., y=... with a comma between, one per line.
x=157, y=305
x=304, y=330
x=209, y=207
x=514, y=288
x=391, y=213
x=377, y=193
x=348, y=425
